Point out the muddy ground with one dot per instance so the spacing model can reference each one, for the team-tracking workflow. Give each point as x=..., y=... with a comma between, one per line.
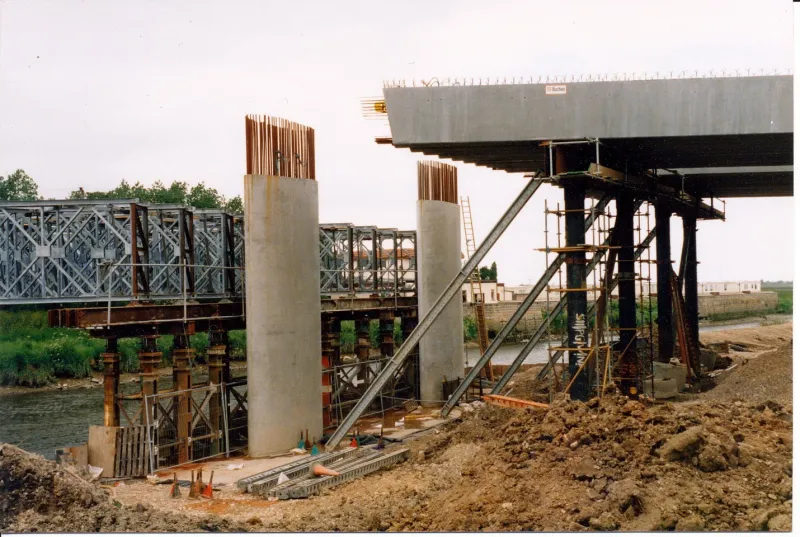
x=720, y=460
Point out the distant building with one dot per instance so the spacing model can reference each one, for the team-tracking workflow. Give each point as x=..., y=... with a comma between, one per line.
x=491, y=292
x=728, y=288
x=519, y=292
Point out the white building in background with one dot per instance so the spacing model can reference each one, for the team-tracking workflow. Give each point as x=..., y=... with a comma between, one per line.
x=492, y=291
x=519, y=292
x=728, y=288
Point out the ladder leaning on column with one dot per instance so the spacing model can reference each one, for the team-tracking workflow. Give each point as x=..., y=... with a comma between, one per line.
x=475, y=284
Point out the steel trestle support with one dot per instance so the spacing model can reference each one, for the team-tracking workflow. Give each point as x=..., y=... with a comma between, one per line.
x=388, y=372
x=556, y=356
x=517, y=316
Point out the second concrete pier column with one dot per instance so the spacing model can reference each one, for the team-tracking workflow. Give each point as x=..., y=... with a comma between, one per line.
x=438, y=262
x=284, y=370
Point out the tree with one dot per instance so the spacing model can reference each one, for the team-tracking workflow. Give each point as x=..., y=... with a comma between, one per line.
x=178, y=193
x=18, y=186
x=488, y=273
x=235, y=205
x=202, y=197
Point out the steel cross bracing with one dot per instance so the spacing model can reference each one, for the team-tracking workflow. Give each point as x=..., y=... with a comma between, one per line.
x=517, y=316
x=357, y=259
x=388, y=372
x=122, y=250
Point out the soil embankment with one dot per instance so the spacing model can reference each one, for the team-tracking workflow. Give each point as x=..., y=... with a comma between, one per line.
x=40, y=496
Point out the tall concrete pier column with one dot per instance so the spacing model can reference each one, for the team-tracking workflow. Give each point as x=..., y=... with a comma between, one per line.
x=438, y=262
x=666, y=340
x=284, y=370
x=577, y=323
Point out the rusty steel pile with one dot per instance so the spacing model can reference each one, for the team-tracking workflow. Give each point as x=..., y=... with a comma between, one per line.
x=276, y=146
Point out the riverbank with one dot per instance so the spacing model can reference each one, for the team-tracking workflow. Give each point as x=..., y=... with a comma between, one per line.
x=95, y=380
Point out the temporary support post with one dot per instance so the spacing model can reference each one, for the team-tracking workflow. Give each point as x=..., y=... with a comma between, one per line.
x=181, y=366
x=388, y=372
x=327, y=367
x=387, y=333
x=666, y=338
x=336, y=341
x=690, y=275
x=407, y=325
x=629, y=365
x=517, y=316
x=149, y=360
x=577, y=325
x=362, y=345
x=217, y=358
x=534, y=340
x=110, y=383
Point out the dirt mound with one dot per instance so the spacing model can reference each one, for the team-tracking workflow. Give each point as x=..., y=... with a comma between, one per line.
x=764, y=376
x=751, y=339
x=611, y=464
x=40, y=496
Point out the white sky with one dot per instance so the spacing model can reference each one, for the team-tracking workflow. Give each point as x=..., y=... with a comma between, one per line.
x=95, y=91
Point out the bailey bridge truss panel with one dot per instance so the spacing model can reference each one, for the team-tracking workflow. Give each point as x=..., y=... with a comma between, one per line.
x=371, y=260
x=122, y=250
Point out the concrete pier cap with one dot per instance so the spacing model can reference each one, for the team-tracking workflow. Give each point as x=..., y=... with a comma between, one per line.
x=438, y=261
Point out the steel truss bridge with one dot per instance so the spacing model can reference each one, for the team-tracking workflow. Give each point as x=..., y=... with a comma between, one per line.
x=123, y=250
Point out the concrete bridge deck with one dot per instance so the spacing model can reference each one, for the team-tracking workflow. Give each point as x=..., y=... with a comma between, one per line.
x=733, y=136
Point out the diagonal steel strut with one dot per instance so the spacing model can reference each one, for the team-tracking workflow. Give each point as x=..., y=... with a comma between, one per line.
x=427, y=321
x=518, y=315
x=556, y=311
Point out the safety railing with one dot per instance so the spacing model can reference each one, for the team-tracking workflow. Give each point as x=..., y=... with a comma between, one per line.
x=587, y=77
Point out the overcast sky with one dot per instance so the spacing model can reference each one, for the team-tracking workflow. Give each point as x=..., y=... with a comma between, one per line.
x=92, y=92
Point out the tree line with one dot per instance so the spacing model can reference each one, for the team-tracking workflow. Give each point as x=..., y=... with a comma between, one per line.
x=19, y=186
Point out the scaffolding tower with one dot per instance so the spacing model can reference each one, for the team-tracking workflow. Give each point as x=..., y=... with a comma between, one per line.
x=599, y=357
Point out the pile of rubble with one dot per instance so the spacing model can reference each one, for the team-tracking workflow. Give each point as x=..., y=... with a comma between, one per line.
x=41, y=496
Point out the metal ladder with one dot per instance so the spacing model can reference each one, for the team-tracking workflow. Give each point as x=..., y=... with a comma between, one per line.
x=475, y=284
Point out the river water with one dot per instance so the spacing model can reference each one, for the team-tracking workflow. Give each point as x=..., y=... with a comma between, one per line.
x=42, y=422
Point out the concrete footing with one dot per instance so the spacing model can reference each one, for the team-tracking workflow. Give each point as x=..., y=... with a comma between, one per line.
x=283, y=312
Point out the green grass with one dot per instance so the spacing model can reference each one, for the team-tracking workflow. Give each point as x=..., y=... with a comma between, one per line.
x=348, y=337
x=784, y=299
x=32, y=354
